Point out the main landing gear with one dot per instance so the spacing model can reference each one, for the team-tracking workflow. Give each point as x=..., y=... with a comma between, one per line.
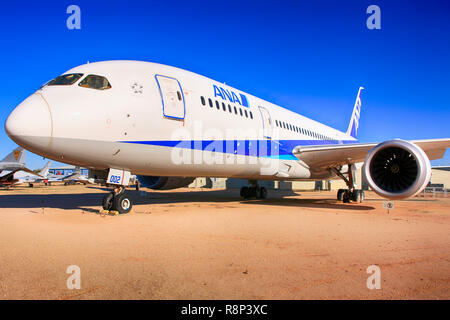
x=346, y=195
x=350, y=194
x=254, y=191
x=117, y=200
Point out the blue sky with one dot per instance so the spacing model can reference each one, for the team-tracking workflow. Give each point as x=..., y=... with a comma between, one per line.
x=309, y=56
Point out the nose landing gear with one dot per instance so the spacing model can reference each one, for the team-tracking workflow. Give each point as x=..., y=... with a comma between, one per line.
x=117, y=200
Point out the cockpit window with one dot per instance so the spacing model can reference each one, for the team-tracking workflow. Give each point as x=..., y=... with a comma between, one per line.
x=95, y=82
x=65, y=79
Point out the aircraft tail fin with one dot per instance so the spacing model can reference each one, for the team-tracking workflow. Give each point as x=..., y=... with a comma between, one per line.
x=44, y=170
x=354, y=121
x=17, y=155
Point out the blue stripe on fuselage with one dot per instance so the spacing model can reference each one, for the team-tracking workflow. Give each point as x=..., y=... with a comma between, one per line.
x=281, y=149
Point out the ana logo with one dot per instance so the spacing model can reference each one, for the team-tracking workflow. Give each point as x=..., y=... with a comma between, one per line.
x=230, y=96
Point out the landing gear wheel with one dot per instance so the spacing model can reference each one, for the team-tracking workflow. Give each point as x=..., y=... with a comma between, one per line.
x=107, y=202
x=122, y=203
x=358, y=196
x=262, y=193
x=340, y=193
x=245, y=192
x=346, y=196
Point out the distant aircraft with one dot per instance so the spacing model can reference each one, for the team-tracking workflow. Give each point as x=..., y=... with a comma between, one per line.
x=169, y=125
x=30, y=178
x=77, y=177
x=12, y=163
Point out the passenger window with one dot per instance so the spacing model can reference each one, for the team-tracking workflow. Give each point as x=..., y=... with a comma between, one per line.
x=179, y=95
x=65, y=79
x=210, y=103
x=246, y=115
x=203, y=100
x=224, y=107
x=251, y=115
x=229, y=109
x=240, y=111
x=235, y=110
x=93, y=81
x=217, y=105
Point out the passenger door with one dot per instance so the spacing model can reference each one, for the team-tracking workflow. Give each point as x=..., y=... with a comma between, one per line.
x=267, y=122
x=172, y=97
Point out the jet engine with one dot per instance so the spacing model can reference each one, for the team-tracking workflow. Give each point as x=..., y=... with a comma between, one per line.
x=397, y=169
x=164, y=183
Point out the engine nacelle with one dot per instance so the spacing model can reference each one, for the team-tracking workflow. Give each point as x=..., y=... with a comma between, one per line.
x=164, y=183
x=397, y=169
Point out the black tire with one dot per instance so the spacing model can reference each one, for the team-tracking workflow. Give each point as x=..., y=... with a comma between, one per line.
x=122, y=203
x=340, y=194
x=263, y=193
x=107, y=202
x=244, y=192
x=359, y=197
x=346, y=197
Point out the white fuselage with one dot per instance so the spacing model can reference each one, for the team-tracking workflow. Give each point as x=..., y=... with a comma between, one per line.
x=152, y=121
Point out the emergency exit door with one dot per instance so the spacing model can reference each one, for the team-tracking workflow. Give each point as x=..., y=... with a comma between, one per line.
x=267, y=122
x=172, y=97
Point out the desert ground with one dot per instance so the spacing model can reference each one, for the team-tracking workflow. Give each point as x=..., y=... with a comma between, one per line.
x=209, y=244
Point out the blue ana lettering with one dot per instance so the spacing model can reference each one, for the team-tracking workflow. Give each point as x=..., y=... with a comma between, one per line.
x=230, y=96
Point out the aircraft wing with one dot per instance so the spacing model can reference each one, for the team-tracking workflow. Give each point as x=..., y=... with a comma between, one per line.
x=5, y=173
x=31, y=172
x=321, y=156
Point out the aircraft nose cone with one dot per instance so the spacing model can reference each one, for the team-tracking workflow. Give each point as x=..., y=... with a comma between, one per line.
x=30, y=123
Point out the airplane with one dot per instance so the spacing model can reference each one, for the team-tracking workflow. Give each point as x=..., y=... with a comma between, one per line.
x=12, y=163
x=30, y=178
x=76, y=177
x=168, y=126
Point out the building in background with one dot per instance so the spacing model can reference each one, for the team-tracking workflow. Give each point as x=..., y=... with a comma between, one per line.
x=66, y=170
x=440, y=177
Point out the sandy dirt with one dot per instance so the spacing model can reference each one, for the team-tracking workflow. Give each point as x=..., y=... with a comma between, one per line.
x=207, y=244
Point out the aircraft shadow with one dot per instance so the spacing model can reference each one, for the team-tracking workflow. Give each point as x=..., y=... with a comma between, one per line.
x=84, y=200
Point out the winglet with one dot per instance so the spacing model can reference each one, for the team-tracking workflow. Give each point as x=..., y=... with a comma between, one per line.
x=354, y=121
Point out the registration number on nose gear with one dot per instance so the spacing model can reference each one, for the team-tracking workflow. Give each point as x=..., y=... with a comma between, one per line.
x=119, y=177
